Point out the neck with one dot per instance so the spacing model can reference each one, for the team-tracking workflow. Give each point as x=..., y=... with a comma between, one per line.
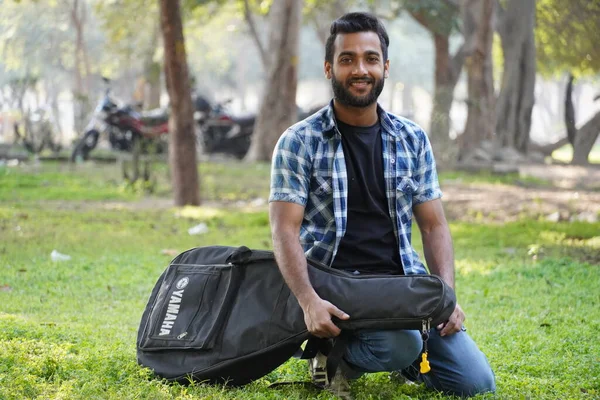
x=356, y=116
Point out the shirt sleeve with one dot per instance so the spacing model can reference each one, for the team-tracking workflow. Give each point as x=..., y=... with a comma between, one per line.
x=290, y=170
x=426, y=175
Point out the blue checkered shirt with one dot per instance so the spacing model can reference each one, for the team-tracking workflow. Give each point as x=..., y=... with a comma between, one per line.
x=308, y=168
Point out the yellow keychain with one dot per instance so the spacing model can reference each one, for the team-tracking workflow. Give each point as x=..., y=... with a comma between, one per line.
x=425, y=368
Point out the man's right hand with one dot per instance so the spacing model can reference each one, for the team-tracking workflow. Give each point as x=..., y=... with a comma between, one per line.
x=317, y=316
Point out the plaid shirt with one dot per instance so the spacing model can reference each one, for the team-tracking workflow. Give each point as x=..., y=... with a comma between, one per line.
x=308, y=168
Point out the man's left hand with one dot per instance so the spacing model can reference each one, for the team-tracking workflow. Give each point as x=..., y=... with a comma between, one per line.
x=454, y=323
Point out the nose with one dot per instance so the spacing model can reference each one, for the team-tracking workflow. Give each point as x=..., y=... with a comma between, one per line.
x=360, y=68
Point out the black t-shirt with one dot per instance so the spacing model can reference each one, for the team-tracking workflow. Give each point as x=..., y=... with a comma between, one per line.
x=369, y=244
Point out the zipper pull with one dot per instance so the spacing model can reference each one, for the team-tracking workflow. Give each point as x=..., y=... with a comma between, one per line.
x=425, y=368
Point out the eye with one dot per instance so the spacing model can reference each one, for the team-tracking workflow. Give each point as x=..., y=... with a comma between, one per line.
x=345, y=60
x=373, y=59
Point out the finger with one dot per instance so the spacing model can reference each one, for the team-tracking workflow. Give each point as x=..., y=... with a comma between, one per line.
x=333, y=330
x=321, y=335
x=440, y=326
x=450, y=328
x=319, y=332
x=336, y=312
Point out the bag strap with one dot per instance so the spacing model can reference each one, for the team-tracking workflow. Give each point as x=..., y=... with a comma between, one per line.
x=340, y=344
x=333, y=348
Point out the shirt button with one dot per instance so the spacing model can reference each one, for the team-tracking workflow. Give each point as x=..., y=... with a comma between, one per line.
x=393, y=161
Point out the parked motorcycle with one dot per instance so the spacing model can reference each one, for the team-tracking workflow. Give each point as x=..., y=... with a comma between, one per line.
x=126, y=128
x=220, y=131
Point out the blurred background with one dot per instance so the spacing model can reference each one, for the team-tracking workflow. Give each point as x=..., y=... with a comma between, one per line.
x=489, y=80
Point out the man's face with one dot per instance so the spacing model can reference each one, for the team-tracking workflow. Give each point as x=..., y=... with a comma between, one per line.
x=358, y=70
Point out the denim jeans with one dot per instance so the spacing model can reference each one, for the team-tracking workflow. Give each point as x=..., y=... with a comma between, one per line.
x=458, y=367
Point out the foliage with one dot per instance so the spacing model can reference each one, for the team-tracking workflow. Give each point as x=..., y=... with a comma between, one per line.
x=68, y=329
x=44, y=48
x=566, y=37
x=129, y=30
x=440, y=16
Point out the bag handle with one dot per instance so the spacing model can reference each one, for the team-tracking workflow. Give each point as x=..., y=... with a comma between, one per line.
x=244, y=255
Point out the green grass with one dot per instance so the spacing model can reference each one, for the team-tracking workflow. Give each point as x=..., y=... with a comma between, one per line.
x=229, y=182
x=68, y=329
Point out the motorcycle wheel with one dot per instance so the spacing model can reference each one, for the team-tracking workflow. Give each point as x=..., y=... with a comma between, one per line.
x=84, y=146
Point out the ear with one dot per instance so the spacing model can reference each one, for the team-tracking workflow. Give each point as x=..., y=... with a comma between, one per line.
x=327, y=69
x=386, y=69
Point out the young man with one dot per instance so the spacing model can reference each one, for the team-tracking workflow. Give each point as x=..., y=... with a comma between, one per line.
x=345, y=184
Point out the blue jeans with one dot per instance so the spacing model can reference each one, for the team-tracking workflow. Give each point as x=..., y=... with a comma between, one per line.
x=458, y=367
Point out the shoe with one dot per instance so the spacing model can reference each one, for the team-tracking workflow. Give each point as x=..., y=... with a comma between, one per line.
x=317, y=367
x=339, y=386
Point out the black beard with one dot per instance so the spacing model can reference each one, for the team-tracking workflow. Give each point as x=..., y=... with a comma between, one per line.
x=343, y=95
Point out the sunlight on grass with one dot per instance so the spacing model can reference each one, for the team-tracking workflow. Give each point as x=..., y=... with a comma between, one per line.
x=465, y=267
x=199, y=213
x=565, y=154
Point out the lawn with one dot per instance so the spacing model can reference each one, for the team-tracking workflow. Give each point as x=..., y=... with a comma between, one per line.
x=67, y=329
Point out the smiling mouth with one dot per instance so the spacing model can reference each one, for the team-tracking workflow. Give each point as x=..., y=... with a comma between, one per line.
x=360, y=84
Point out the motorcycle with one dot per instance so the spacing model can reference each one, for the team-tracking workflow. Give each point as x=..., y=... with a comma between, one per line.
x=221, y=132
x=126, y=128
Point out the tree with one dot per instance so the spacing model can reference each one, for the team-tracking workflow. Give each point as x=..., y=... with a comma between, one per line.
x=182, y=146
x=566, y=43
x=58, y=57
x=440, y=19
x=581, y=139
x=278, y=107
x=79, y=15
x=321, y=14
x=516, y=98
x=477, y=17
x=131, y=48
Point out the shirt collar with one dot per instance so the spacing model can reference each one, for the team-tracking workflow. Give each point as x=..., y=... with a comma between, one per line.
x=387, y=124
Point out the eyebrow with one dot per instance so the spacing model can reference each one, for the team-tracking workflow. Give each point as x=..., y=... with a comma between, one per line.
x=352, y=53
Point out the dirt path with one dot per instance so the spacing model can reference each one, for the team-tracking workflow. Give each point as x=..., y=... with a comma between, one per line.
x=557, y=193
x=503, y=203
x=463, y=202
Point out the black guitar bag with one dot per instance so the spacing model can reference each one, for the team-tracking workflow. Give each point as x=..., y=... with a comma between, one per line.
x=225, y=315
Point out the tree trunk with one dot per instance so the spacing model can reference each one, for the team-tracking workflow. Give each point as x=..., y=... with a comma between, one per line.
x=408, y=106
x=585, y=138
x=152, y=71
x=570, y=111
x=548, y=149
x=82, y=69
x=447, y=72
x=182, y=146
x=278, y=107
x=516, y=99
x=477, y=21
x=264, y=56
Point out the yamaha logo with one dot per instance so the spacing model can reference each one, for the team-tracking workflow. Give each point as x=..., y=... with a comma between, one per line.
x=183, y=282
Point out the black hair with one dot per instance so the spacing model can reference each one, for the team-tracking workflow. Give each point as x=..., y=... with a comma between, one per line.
x=356, y=22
